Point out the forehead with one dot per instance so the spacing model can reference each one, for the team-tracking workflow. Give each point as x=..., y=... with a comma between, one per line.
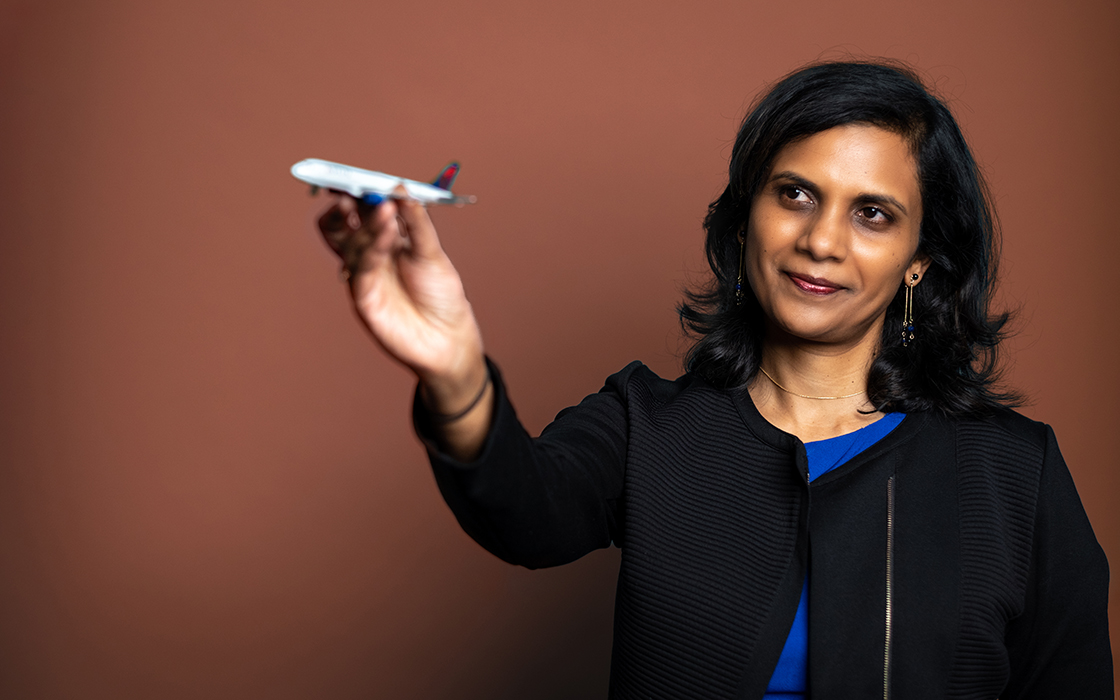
x=857, y=157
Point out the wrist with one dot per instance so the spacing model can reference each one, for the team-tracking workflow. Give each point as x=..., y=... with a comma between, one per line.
x=451, y=396
x=440, y=418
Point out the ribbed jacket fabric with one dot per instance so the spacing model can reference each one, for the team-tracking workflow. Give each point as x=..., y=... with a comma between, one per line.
x=998, y=587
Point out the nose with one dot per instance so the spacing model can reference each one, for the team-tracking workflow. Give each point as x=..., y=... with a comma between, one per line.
x=826, y=235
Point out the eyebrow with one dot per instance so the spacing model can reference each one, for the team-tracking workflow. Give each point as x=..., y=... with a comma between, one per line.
x=862, y=196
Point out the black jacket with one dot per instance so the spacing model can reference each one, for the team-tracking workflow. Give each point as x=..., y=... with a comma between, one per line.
x=952, y=559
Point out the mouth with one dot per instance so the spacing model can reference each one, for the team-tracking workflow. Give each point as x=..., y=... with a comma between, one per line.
x=814, y=285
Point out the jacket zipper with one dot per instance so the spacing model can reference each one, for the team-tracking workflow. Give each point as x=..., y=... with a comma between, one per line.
x=890, y=577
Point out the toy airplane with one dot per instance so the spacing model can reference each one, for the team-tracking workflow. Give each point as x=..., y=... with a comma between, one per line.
x=372, y=187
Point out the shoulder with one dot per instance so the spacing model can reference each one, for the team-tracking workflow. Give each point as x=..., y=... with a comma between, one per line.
x=1003, y=429
x=1000, y=461
x=636, y=381
x=1015, y=425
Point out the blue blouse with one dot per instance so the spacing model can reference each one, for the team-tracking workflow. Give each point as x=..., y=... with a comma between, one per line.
x=791, y=676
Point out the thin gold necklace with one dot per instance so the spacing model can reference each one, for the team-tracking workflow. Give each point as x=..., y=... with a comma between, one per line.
x=806, y=396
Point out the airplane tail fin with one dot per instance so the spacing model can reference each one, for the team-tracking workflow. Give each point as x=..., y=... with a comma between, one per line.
x=446, y=178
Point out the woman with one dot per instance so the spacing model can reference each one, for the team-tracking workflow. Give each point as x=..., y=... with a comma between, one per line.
x=836, y=457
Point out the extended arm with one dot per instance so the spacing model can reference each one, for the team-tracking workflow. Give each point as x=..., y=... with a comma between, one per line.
x=541, y=501
x=534, y=502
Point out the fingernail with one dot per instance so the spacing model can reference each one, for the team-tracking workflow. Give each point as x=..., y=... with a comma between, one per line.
x=353, y=220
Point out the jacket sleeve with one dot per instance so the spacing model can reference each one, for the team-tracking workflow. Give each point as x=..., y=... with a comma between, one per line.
x=544, y=501
x=1060, y=645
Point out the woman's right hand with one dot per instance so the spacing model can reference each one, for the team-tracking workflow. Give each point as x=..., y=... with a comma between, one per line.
x=409, y=295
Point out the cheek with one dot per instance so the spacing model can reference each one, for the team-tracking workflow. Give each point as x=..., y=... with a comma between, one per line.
x=763, y=239
x=884, y=265
x=756, y=268
x=775, y=230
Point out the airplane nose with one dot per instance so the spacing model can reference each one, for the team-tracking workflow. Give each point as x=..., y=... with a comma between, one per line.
x=309, y=168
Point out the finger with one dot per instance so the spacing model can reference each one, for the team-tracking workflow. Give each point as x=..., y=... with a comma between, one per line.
x=338, y=223
x=332, y=219
x=332, y=226
x=376, y=242
x=353, y=211
x=384, y=231
x=421, y=232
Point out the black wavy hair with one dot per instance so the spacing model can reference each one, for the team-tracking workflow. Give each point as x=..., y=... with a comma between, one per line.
x=952, y=365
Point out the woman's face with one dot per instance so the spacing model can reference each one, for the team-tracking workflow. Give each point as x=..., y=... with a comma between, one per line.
x=833, y=233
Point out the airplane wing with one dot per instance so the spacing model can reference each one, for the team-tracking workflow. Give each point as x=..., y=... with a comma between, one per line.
x=374, y=187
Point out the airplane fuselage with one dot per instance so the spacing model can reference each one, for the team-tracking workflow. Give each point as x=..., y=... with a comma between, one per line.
x=361, y=184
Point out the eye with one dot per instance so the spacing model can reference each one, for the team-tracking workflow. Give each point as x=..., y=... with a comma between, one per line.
x=875, y=215
x=793, y=192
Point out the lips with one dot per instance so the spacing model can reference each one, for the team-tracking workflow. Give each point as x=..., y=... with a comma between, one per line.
x=814, y=285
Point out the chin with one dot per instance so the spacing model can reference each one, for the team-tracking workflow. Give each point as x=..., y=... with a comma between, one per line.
x=825, y=331
x=809, y=334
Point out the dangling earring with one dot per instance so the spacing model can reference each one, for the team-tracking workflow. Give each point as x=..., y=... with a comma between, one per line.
x=908, y=314
x=739, y=279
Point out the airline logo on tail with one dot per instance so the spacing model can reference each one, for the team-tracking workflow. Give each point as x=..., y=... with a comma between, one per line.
x=445, y=179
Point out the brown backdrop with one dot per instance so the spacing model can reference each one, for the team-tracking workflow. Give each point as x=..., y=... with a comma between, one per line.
x=208, y=484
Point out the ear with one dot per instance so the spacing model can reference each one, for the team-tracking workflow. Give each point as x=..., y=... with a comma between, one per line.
x=917, y=266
